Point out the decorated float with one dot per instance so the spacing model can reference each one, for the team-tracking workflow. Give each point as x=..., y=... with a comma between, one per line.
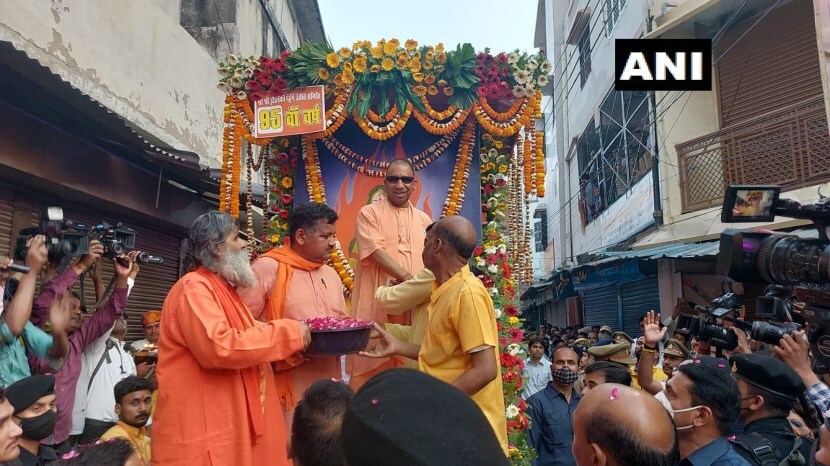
x=321, y=124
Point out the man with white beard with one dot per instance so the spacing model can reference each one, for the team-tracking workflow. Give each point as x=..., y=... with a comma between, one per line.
x=217, y=401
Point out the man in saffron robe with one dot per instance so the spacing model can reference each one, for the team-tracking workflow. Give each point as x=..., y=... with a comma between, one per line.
x=218, y=402
x=294, y=282
x=390, y=238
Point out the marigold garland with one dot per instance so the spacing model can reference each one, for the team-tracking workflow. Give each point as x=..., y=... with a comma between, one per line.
x=390, y=129
x=461, y=171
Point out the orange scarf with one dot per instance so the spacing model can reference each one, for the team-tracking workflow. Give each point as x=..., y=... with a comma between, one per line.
x=275, y=304
x=240, y=318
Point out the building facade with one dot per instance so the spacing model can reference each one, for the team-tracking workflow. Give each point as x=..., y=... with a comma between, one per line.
x=111, y=111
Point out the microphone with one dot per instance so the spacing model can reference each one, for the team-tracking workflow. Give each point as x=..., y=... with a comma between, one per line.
x=19, y=268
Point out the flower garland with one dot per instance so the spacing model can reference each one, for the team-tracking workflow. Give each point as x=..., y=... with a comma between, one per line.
x=508, y=127
x=432, y=124
x=492, y=259
x=282, y=169
x=461, y=171
x=232, y=136
x=361, y=162
x=381, y=133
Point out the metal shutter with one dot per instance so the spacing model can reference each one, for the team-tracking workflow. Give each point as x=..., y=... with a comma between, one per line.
x=774, y=65
x=638, y=298
x=557, y=313
x=600, y=306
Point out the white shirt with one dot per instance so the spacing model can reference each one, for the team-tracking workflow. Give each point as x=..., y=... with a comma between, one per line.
x=536, y=376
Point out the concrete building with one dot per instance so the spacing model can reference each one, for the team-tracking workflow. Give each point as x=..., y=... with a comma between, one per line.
x=653, y=232
x=110, y=109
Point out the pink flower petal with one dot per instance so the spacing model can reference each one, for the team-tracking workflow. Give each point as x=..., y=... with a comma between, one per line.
x=375, y=402
x=614, y=394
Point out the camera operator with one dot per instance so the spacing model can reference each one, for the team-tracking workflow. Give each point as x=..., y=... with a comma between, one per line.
x=54, y=286
x=81, y=334
x=18, y=336
x=795, y=352
x=769, y=391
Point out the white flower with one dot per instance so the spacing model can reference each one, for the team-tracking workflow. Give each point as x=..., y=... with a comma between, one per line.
x=241, y=95
x=546, y=67
x=235, y=82
x=511, y=411
x=492, y=153
x=532, y=64
x=232, y=60
x=490, y=250
x=513, y=57
x=542, y=81
x=493, y=291
x=502, y=248
x=518, y=92
x=492, y=268
x=521, y=76
x=249, y=73
x=238, y=73
x=514, y=349
x=479, y=262
x=498, y=313
x=224, y=87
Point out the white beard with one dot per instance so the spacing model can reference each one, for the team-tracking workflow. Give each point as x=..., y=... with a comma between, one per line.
x=236, y=268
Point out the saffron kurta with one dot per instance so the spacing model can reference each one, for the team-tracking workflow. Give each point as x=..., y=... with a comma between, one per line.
x=313, y=293
x=208, y=412
x=400, y=232
x=461, y=320
x=137, y=436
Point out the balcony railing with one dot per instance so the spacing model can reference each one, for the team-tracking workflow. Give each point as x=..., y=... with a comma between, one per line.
x=788, y=147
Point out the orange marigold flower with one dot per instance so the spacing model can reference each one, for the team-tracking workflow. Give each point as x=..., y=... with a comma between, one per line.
x=374, y=68
x=359, y=65
x=430, y=55
x=415, y=66
x=377, y=52
x=441, y=83
x=427, y=65
x=347, y=66
x=432, y=90
x=348, y=77
x=411, y=44
x=387, y=64
x=344, y=52
x=403, y=60
x=441, y=58
x=323, y=74
x=420, y=90
x=430, y=79
x=448, y=91
x=338, y=80
x=418, y=77
x=440, y=47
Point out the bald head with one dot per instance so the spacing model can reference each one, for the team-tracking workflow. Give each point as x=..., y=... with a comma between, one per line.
x=458, y=233
x=618, y=425
x=401, y=163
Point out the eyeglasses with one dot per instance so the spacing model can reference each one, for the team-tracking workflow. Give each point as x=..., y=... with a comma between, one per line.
x=394, y=179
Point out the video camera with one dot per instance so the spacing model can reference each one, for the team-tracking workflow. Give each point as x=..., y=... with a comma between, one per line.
x=66, y=239
x=782, y=260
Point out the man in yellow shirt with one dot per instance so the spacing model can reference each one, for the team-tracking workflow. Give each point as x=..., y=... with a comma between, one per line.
x=461, y=341
x=133, y=399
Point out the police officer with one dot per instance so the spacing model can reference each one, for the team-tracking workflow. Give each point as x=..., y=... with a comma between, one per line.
x=769, y=391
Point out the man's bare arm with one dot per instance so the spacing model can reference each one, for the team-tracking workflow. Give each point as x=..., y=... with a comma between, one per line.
x=477, y=377
x=388, y=265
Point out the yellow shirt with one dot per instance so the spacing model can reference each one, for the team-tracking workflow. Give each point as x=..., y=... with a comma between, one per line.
x=136, y=436
x=412, y=294
x=656, y=373
x=461, y=318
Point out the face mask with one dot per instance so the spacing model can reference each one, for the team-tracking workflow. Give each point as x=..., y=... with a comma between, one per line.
x=604, y=337
x=564, y=376
x=661, y=397
x=39, y=427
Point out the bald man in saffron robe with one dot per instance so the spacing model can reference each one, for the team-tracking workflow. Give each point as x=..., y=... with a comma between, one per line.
x=390, y=236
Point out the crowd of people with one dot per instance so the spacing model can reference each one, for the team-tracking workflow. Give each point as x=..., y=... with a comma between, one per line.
x=233, y=384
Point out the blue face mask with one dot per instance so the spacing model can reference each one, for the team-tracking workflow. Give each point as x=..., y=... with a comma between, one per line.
x=604, y=337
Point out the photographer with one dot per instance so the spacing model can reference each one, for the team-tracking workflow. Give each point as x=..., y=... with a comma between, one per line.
x=81, y=334
x=795, y=352
x=769, y=391
x=18, y=336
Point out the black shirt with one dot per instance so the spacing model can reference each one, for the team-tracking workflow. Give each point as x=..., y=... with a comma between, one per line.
x=779, y=433
x=46, y=456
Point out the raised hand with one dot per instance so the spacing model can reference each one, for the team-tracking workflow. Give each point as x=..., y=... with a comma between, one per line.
x=652, y=333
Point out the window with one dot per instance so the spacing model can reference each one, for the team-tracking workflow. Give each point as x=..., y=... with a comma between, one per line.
x=540, y=230
x=620, y=154
x=612, y=10
x=584, y=45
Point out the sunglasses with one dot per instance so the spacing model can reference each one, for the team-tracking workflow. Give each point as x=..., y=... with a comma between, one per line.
x=394, y=179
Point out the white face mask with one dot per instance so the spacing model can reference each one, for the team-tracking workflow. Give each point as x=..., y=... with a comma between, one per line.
x=661, y=397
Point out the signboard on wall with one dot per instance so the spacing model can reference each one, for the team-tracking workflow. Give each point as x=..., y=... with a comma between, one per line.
x=630, y=214
x=298, y=111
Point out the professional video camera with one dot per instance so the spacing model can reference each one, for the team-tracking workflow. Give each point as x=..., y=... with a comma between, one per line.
x=64, y=238
x=780, y=259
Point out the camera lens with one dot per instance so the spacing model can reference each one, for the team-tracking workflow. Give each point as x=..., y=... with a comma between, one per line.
x=116, y=248
x=789, y=260
x=768, y=333
x=717, y=335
